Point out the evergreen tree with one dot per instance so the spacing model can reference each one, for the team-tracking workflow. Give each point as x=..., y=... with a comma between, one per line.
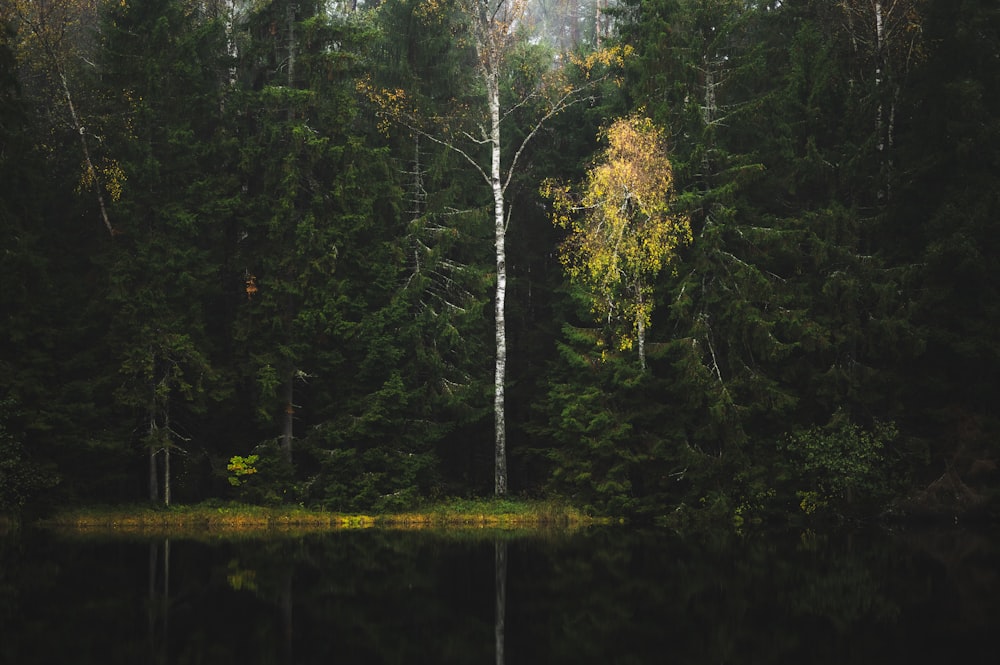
x=160, y=68
x=942, y=226
x=300, y=175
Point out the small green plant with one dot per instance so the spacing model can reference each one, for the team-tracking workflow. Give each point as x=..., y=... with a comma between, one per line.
x=240, y=468
x=841, y=463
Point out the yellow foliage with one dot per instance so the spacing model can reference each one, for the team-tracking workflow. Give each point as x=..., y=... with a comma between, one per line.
x=109, y=174
x=608, y=57
x=623, y=229
x=391, y=104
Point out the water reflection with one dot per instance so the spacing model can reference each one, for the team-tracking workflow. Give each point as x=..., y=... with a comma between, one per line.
x=501, y=597
x=602, y=596
x=158, y=603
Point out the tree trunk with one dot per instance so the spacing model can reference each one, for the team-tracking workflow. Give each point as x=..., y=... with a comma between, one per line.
x=88, y=164
x=500, y=424
x=291, y=7
x=154, y=487
x=640, y=332
x=166, y=456
x=880, y=74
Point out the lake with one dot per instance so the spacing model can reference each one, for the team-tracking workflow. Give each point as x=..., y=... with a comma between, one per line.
x=603, y=595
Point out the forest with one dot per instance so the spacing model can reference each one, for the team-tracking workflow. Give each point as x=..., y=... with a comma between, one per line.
x=723, y=259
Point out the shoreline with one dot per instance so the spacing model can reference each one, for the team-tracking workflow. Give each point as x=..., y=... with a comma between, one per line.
x=241, y=518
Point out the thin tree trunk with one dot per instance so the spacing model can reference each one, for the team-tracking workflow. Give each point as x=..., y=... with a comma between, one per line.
x=641, y=332
x=288, y=429
x=166, y=456
x=598, y=27
x=500, y=425
x=880, y=73
x=38, y=28
x=154, y=487
x=88, y=164
x=291, y=7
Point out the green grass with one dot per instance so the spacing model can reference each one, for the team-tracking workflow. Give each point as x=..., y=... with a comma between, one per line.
x=242, y=518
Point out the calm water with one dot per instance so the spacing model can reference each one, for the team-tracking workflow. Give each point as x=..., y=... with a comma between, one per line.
x=601, y=596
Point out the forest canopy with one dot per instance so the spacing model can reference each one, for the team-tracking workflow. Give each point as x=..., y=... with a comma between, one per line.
x=736, y=259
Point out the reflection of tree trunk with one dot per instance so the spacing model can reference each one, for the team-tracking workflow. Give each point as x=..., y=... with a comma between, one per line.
x=151, y=604
x=159, y=604
x=501, y=598
x=165, y=607
x=285, y=605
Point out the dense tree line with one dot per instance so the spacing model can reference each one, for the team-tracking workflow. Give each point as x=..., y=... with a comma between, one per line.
x=243, y=257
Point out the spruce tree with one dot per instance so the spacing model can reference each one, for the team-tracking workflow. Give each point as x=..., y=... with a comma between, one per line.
x=160, y=64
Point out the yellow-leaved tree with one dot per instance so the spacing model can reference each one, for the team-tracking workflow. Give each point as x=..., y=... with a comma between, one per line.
x=53, y=38
x=623, y=229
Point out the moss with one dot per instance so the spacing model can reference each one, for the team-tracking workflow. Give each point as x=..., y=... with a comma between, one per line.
x=243, y=518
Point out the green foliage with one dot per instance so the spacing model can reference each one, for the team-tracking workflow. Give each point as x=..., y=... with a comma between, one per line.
x=378, y=478
x=620, y=437
x=277, y=254
x=841, y=466
x=264, y=477
x=21, y=478
x=240, y=467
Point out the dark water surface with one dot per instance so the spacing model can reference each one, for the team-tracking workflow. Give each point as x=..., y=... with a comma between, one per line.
x=609, y=595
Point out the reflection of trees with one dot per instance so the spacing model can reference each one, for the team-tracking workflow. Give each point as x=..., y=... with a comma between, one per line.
x=718, y=599
x=158, y=602
x=607, y=595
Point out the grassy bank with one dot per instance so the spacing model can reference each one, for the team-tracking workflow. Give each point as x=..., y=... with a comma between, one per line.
x=214, y=518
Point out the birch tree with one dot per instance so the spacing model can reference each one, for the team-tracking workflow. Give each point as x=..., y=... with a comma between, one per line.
x=885, y=35
x=623, y=230
x=53, y=41
x=496, y=29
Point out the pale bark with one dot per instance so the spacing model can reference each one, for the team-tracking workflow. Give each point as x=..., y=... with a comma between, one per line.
x=51, y=32
x=889, y=32
x=92, y=175
x=494, y=24
x=154, y=489
x=291, y=45
x=166, y=456
x=640, y=332
x=493, y=33
x=500, y=233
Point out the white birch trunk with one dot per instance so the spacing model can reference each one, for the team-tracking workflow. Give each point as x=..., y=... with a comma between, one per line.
x=291, y=45
x=154, y=488
x=500, y=424
x=92, y=174
x=640, y=332
x=166, y=456
x=880, y=109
